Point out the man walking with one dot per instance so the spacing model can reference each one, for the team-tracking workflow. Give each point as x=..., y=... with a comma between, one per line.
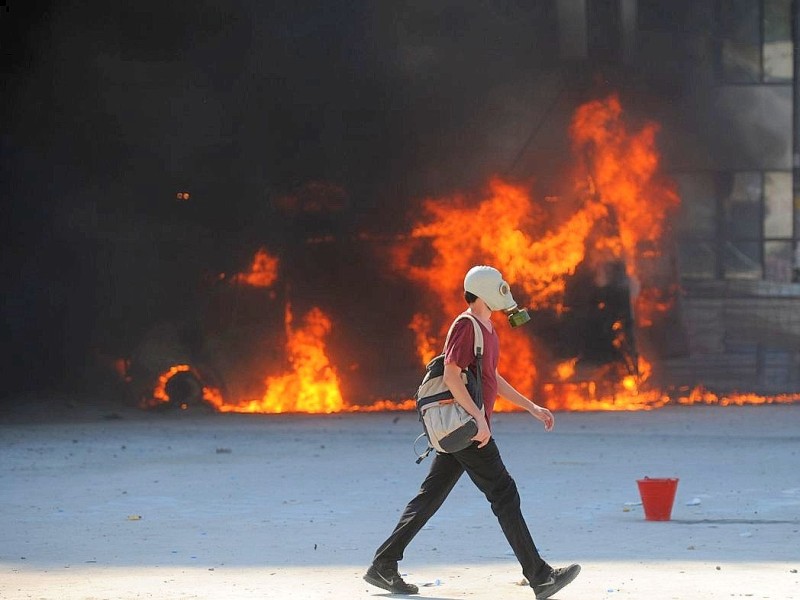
x=485, y=292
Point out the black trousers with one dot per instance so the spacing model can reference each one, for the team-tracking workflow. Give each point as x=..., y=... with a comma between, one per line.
x=486, y=469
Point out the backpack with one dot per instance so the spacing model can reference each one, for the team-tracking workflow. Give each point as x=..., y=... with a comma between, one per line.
x=447, y=426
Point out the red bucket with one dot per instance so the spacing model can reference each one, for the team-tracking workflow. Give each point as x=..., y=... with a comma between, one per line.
x=658, y=496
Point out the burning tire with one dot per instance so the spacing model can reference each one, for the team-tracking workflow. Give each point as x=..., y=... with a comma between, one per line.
x=184, y=389
x=180, y=387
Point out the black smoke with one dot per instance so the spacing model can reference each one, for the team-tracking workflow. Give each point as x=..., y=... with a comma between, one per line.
x=112, y=109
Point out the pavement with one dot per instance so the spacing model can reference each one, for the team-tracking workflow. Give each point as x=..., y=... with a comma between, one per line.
x=127, y=504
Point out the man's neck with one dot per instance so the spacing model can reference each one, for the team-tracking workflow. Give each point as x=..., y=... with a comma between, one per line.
x=482, y=312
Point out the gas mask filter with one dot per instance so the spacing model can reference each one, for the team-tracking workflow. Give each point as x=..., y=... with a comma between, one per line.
x=518, y=316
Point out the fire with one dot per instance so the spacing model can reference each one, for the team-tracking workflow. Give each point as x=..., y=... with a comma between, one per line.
x=700, y=395
x=426, y=349
x=621, y=168
x=160, y=396
x=616, y=215
x=310, y=385
x=160, y=392
x=566, y=369
x=263, y=271
x=502, y=229
x=610, y=227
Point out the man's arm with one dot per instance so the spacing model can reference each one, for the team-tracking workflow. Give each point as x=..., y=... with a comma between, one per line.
x=507, y=391
x=452, y=379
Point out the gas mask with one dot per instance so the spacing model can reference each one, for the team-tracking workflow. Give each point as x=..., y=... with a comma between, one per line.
x=487, y=284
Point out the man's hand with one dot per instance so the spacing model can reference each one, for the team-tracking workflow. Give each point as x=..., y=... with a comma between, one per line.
x=544, y=415
x=484, y=434
x=452, y=379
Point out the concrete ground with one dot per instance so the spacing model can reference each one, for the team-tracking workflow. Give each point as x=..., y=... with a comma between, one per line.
x=126, y=504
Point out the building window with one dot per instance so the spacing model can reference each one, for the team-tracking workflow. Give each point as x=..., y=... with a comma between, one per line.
x=778, y=226
x=778, y=205
x=754, y=41
x=736, y=225
x=777, y=52
x=740, y=41
x=740, y=196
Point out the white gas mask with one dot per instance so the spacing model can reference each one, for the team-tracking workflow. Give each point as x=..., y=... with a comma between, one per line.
x=487, y=284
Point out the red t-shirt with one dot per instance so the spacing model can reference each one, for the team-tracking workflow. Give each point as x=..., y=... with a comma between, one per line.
x=460, y=350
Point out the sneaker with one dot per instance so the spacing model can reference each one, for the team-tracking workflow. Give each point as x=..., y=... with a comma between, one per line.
x=388, y=578
x=558, y=579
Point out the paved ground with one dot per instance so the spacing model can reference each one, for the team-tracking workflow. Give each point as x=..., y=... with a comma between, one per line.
x=124, y=504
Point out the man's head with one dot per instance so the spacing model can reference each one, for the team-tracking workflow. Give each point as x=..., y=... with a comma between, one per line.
x=487, y=284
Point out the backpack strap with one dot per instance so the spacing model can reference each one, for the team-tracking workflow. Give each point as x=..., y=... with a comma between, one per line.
x=478, y=338
x=477, y=348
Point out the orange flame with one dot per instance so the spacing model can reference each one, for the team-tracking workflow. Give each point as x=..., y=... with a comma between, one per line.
x=619, y=213
x=160, y=392
x=616, y=214
x=700, y=395
x=161, y=397
x=500, y=229
x=263, y=271
x=621, y=169
x=311, y=385
x=566, y=369
x=426, y=349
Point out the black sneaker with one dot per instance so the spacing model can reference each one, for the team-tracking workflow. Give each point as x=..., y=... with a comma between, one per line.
x=388, y=578
x=558, y=579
